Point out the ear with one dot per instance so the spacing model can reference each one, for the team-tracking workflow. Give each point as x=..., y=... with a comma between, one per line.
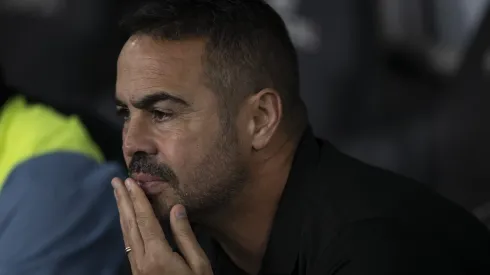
x=266, y=116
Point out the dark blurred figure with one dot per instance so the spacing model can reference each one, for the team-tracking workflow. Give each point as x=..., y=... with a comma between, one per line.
x=63, y=54
x=57, y=210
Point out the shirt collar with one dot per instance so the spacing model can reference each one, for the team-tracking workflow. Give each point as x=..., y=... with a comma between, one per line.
x=284, y=241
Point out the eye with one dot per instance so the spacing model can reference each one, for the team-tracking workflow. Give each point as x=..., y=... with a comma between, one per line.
x=123, y=113
x=161, y=116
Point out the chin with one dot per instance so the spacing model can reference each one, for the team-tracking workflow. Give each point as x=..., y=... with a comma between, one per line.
x=161, y=210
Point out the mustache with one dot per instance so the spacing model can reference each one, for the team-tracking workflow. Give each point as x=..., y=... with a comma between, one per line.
x=143, y=163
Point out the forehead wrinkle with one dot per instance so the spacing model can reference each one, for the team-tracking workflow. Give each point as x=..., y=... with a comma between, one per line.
x=148, y=66
x=162, y=81
x=157, y=56
x=158, y=73
x=153, y=64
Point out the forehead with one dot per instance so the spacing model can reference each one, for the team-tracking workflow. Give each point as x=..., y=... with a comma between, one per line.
x=147, y=65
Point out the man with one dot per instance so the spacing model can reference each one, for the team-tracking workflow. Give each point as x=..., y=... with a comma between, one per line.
x=216, y=135
x=57, y=212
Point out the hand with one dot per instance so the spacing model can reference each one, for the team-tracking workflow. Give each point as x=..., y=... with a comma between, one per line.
x=150, y=252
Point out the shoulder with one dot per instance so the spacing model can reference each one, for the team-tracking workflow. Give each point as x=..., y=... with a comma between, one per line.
x=30, y=130
x=369, y=215
x=385, y=246
x=67, y=199
x=349, y=190
x=60, y=179
x=353, y=190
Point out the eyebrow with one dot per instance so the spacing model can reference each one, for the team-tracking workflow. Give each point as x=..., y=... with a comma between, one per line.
x=149, y=101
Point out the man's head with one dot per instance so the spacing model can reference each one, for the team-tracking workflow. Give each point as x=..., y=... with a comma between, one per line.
x=204, y=86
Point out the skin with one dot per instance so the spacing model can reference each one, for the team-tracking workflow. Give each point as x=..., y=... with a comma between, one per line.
x=229, y=180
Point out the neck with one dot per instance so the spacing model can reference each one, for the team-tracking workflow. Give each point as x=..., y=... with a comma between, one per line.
x=243, y=230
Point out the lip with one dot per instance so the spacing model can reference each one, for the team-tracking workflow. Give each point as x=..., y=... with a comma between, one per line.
x=151, y=185
x=140, y=177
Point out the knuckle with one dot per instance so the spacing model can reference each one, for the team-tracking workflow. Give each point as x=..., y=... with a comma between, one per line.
x=130, y=225
x=142, y=221
x=132, y=196
x=182, y=235
x=151, y=265
x=142, y=267
x=149, y=269
x=151, y=238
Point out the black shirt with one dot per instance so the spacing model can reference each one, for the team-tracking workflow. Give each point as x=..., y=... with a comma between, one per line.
x=340, y=216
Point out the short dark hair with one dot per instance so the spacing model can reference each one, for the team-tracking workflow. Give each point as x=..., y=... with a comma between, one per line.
x=248, y=46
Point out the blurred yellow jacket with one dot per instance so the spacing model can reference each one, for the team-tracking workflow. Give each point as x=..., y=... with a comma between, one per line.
x=31, y=130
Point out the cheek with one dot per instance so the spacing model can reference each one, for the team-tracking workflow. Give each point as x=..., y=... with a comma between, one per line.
x=124, y=132
x=184, y=147
x=178, y=147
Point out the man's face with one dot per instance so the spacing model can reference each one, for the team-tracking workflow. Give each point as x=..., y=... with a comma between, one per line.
x=174, y=143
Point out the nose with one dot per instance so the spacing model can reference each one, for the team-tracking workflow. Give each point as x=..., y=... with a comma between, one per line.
x=137, y=137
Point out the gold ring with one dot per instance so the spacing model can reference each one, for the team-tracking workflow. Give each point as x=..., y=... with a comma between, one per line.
x=127, y=249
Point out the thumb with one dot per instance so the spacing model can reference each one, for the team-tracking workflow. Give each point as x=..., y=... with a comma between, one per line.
x=186, y=240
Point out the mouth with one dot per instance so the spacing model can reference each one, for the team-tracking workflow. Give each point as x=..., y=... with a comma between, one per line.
x=151, y=185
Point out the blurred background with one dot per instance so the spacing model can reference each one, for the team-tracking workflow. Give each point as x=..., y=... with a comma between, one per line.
x=401, y=84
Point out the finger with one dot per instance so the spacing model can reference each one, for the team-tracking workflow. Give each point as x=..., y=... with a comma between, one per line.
x=187, y=242
x=148, y=225
x=131, y=258
x=129, y=254
x=115, y=182
x=131, y=234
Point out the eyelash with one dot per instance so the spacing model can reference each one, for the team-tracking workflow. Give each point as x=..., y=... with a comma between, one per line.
x=123, y=113
x=157, y=116
x=160, y=116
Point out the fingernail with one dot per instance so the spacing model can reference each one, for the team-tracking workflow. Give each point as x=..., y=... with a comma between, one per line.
x=128, y=183
x=114, y=183
x=180, y=213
